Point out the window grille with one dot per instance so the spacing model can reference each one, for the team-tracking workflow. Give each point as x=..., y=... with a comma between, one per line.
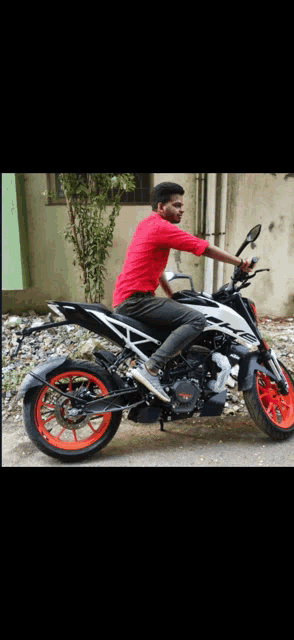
x=141, y=194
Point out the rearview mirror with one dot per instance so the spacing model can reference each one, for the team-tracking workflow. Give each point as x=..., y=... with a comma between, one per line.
x=254, y=233
x=251, y=236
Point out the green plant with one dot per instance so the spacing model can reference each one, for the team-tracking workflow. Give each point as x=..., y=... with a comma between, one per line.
x=12, y=380
x=93, y=203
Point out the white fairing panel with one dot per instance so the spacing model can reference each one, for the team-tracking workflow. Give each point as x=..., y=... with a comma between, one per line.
x=224, y=319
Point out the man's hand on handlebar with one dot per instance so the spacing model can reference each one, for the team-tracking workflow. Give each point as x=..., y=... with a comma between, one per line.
x=248, y=265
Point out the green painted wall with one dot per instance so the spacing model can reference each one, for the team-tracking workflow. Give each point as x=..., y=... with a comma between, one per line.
x=12, y=276
x=15, y=254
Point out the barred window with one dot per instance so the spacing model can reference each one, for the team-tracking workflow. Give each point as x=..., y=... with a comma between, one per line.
x=141, y=194
x=59, y=190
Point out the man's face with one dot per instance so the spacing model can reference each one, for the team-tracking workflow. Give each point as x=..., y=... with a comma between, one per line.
x=172, y=210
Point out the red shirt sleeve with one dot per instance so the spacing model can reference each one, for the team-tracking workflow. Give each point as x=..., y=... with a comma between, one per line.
x=175, y=238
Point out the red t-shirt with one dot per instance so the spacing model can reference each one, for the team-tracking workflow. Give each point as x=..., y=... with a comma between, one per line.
x=148, y=254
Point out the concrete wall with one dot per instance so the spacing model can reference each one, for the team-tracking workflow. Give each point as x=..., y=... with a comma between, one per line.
x=182, y=262
x=51, y=259
x=252, y=199
x=53, y=275
x=267, y=199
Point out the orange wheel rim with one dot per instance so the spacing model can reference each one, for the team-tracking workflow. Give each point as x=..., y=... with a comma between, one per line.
x=51, y=408
x=278, y=408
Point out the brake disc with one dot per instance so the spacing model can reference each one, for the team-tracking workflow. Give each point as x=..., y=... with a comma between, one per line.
x=62, y=408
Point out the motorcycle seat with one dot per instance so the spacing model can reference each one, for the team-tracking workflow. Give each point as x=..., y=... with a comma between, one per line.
x=154, y=331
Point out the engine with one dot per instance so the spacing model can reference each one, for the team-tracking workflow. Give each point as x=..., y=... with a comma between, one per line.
x=185, y=394
x=187, y=390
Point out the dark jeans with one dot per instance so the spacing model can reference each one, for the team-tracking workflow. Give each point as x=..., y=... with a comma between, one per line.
x=185, y=324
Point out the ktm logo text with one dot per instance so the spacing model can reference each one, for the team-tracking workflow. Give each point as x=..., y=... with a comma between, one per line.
x=226, y=325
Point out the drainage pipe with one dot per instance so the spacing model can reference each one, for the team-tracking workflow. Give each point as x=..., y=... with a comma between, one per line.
x=197, y=207
x=222, y=226
x=210, y=229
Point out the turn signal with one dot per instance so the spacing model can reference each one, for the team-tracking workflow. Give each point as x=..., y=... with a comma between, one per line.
x=253, y=309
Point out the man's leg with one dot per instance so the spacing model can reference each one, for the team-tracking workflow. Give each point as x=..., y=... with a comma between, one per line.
x=185, y=324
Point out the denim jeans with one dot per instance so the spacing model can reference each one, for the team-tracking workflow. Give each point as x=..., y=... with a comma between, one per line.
x=185, y=324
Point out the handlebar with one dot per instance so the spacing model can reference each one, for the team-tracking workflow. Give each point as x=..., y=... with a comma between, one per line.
x=253, y=261
x=239, y=274
x=243, y=276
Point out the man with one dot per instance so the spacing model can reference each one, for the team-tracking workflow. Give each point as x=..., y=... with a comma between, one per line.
x=143, y=271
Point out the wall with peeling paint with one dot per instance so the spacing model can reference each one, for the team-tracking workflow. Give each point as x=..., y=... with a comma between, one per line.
x=252, y=198
x=267, y=199
x=181, y=261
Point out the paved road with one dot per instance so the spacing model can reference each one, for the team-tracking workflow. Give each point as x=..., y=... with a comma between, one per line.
x=227, y=441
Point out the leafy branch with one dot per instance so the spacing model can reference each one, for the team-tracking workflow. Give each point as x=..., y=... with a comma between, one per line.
x=91, y=225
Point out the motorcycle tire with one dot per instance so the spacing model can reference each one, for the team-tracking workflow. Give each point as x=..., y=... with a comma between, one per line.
x=272, y=412
x=45, y=414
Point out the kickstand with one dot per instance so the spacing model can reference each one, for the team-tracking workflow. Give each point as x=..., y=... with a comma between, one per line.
x=161, y=424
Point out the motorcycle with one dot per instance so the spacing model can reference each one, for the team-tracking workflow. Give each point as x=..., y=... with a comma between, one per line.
x=73, y=408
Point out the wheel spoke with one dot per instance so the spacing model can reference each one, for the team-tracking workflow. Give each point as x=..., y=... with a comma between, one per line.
x=277, y=407
x=48, y=419
x=272, y=410
x=282, y=407
x=268, y=411
x=48, y=404
x=52, y=408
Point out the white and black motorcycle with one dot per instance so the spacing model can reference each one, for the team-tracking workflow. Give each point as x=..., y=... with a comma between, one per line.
x=73, y=408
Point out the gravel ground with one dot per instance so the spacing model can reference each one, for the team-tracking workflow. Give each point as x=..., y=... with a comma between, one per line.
x=229, y=440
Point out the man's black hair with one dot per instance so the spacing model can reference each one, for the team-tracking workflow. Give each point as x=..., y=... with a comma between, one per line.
x=163, y=192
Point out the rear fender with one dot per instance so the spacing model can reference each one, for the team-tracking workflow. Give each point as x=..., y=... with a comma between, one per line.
x=42, y=370
x=247, y=367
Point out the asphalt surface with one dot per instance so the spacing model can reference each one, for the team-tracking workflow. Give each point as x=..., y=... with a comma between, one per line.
x=226, y=441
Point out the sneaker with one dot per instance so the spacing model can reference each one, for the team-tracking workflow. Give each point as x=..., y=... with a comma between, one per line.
x=150, y=381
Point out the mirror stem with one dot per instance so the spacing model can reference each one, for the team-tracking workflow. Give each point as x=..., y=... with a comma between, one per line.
x=245, y=244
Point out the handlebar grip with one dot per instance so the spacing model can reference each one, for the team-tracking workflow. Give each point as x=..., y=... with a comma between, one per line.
x=253, y=261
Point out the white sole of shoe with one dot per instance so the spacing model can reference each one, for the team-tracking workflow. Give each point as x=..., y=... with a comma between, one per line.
x=138, y=376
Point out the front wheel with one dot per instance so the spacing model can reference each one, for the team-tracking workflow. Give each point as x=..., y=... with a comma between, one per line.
x=52, y=430
x=272, y=412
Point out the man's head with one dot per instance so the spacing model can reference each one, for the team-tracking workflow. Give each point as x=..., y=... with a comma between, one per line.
x=167, y=200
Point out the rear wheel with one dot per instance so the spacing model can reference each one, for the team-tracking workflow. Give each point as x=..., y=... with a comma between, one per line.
x=271, y=411
x=47, y=420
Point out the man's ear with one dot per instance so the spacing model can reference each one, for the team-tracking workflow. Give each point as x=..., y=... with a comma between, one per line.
x=160, y=207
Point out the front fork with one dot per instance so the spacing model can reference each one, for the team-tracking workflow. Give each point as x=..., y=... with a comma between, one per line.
x=272, y=361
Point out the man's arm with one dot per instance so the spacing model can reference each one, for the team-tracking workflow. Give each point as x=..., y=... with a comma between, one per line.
x=164, y=284
x=223, y=256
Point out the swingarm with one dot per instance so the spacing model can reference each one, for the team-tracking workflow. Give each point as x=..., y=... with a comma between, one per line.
x=105, y=403
x=99, y=405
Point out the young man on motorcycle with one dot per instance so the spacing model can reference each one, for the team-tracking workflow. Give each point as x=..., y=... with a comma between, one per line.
x=143, y=271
